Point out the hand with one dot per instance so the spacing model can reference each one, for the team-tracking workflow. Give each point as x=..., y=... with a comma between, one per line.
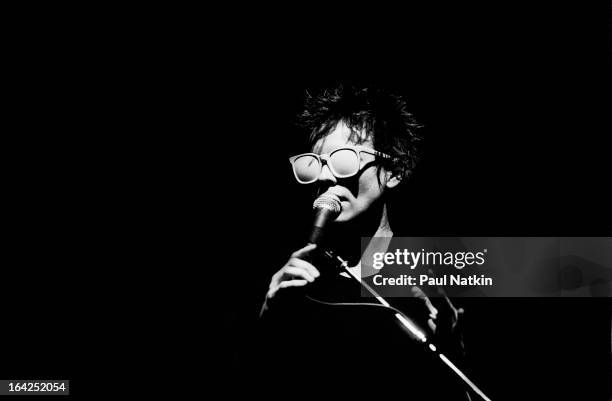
x=444, y=318
x=445, y=323
x=297, y=272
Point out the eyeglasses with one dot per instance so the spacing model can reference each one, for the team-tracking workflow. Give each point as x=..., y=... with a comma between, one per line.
x=343, y=163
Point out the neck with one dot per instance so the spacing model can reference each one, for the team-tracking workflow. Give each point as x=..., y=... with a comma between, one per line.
x=345, y=238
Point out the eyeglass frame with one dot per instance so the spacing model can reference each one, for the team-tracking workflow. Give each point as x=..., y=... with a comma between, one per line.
x=326, y=157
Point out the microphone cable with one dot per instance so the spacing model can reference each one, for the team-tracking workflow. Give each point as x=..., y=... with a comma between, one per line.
x=413, y=330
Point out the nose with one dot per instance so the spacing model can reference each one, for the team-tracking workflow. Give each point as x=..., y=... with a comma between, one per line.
x=326, y=175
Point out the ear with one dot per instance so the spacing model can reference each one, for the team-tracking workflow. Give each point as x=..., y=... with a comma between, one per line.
x=392, y=180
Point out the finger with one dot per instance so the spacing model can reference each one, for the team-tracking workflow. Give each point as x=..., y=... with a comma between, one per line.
x=292, y=283
x=276, y=278
x=441, y=291
x=300, y=253
x=448, y=316
x=292, y=271
x=432, y=325
x=446, y=301
x=286, y=284
x=447, y=304
x=438, y=288
x=417, y=292
x=305, y=265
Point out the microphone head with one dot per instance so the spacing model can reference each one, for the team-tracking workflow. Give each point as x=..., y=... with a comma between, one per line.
x=328, y=201
x=327, y=208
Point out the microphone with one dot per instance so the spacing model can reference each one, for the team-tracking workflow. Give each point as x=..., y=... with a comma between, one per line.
x=327, y=208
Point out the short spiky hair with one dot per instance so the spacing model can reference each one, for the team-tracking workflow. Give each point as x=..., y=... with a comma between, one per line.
x=381, y=115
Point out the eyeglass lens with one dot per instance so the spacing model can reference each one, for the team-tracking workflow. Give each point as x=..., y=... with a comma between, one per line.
x=307, y=168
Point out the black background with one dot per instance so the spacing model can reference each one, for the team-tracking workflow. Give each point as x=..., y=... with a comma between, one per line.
x=148, y=167
x=514, y=100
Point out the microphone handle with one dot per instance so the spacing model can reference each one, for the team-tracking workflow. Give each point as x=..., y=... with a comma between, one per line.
x=322, y=216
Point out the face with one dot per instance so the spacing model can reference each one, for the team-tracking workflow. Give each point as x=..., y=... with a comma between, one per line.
x=357, y=194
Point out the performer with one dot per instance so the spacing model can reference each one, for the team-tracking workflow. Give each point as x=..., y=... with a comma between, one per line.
x=363, y=145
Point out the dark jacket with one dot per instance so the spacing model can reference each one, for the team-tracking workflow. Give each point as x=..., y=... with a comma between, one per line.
x=353, y=351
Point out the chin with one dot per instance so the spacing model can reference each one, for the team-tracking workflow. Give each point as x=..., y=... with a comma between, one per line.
x=346, y=216
x=343, y=217
x=340, y=219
